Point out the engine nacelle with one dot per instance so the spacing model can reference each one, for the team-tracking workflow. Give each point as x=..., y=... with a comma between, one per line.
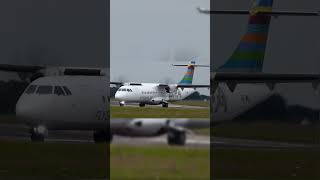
x=147, y=127
x=171, y=88
x=157, y=100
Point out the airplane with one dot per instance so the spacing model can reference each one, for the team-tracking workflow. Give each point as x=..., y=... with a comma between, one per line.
x=176, y=129
x=81, y=102
x=155, y=93
x=78, y=99
x=239, y=84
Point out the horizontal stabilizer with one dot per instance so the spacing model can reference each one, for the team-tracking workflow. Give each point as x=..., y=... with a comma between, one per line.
x=20, y=68
x=195, y=65
x=232, y=79
x=264, y=13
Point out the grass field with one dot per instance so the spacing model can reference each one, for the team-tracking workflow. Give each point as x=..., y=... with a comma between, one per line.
x=51, y=160
x=205, y=131
x=151, y=112
x=265, y=164
x=91, y=161
x=159, y=162
x=269, y=130
x=193, y=103
x=8, y=119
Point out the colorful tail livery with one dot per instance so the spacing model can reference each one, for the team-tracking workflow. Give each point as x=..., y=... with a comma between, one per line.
x=249, y=55
x=188, y=77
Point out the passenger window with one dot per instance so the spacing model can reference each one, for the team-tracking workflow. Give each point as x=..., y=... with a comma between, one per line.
x=58, y=91
x=67, y=90
x=31, y=89
x=44, y=90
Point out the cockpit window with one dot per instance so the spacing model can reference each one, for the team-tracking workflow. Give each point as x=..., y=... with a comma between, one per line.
x=31, y=89
x=44, y=90
x=67, y=90
x=58, y=91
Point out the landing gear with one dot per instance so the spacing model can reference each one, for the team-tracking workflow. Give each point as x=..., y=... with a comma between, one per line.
x=177, y=138
x=38, y=133
x=142, y=105
x=121, y=103
x=165, y=105
x=102, y=136
x=37, y=137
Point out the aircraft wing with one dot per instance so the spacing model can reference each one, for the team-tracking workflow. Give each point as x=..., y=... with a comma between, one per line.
x=246, y=12
x=192, y=86
x=183, y=86
x=232, y=79
x=117, y=83
x=274, y=13
x=20, y=68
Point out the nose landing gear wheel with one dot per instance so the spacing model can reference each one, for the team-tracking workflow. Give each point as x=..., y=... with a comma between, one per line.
x=177, y=138
x=142, y=105
x=102, y=136
x=38, y=133
x=37, y=137
x=165, y=105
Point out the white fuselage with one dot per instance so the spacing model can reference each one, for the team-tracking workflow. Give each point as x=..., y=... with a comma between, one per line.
x=149, y=93
x=84, y=107
x=227, y=105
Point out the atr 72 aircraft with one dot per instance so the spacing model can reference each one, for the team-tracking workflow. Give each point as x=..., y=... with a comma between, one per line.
x=155, y=94
x=78, y=99
x=235, y=86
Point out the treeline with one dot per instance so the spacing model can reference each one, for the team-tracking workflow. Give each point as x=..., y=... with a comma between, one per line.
x=9, y=94
x=276, y=108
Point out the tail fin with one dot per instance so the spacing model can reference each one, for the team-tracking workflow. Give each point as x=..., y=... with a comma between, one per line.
x=188, y=77
x=249, y=55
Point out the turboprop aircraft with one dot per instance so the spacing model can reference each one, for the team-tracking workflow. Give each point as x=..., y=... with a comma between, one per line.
x=156, y=93
x=238, y=85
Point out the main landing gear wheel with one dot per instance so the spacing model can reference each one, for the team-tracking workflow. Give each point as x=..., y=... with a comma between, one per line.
x=102, y=136
x=177, y=138
x=37, y=137
x=165, y=105
x=38, y=133
x=142, y=105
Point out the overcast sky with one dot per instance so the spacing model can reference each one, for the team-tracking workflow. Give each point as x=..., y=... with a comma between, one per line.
x=149, y=35
x=293, y=46
x=54, y=32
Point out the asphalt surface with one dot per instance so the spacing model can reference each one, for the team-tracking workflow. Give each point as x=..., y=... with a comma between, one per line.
x=116, y=103
x=14, y=132
x=218, y=142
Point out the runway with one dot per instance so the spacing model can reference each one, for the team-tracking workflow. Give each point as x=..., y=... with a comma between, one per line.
x=233, y=143
x=116, y=104
x=14, y=132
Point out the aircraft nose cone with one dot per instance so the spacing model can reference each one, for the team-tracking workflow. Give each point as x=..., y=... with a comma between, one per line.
x=23, y=112
x=118, y=96
x=28, y=110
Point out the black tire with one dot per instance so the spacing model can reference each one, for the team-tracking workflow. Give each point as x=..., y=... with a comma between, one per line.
x=121, y=105
x=165, y=105
x=142, y=105
x=176, y=138
x=37, y=137
x=102, y=136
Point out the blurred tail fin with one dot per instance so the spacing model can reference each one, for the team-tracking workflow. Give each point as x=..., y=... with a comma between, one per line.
x=249, y=55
